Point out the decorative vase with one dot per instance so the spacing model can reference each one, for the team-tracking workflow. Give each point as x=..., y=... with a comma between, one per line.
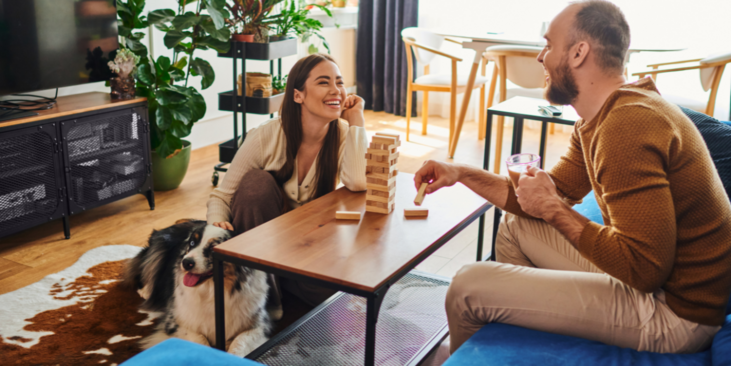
x=122, y=88
x=243, y=37
x=168, y=173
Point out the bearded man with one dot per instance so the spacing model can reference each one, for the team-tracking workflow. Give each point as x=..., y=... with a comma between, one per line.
x=655, y=276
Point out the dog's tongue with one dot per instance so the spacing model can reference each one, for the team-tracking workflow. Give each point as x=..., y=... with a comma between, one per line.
x=191, y=279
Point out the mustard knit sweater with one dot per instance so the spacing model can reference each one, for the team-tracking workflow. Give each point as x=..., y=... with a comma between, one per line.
x=667, y=218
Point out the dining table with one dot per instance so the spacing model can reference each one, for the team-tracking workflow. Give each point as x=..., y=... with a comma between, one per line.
x=479, y=41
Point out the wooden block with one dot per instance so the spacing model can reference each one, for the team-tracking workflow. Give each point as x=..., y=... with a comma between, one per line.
x=377, y=204
x=347, y=215
x=368, y=156
x=375, y=198
x=384, y=140
x=380, y=210
x=420, y=194
x=374, y=180
x=377, y=187
x=379, y=175
x=386, y=194
x=384, y=147
x=416, y=212
x=382, y=164
x=394, y=135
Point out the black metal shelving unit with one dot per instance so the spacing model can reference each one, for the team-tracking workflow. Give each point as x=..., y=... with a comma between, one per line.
x=231, y=101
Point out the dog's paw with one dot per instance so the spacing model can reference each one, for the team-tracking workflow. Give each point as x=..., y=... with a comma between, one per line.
x=275, y=313
x=246, y=342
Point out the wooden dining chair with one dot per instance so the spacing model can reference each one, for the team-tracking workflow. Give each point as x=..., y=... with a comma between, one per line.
x=519, y=65
x=422, y=46
x=711, y=69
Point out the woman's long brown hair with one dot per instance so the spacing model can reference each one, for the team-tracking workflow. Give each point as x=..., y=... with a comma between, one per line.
x=291, y=115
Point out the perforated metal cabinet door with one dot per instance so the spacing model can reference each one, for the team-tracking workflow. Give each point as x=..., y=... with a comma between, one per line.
x=106, y=157
x=31, y=185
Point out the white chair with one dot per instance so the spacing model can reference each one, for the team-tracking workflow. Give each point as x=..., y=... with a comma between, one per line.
x=424, y=46
x=711, y=69
x=519, y=65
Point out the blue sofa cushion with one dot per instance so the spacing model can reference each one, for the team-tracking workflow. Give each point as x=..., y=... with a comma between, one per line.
x=503, y=344
x=717, y=135
x=183, y=353
x=589, y=208
x=721, y=348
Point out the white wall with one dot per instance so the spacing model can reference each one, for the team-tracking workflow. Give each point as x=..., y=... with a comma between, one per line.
x=700, y=25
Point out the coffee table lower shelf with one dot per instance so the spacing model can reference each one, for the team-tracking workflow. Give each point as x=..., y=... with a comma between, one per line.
x=411, y=323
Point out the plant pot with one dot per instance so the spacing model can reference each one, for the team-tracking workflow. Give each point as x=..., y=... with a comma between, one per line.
x=122, y=88
x=243, y=37
x=261, y=36
x=338, y=3
x=167, y=174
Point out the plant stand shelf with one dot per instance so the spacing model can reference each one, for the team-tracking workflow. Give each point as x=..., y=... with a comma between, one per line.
x=240, y=52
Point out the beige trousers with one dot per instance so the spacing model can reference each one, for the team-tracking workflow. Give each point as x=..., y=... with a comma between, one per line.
x=542, y=282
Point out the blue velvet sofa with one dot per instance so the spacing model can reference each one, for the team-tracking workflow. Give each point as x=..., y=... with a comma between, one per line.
x=502, y=344
x=183, y=353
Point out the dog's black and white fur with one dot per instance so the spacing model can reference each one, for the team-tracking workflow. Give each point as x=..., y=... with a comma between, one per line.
x=174, y=276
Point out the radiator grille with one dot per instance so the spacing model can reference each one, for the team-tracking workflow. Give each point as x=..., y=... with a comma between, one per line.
x=105, y=158
x=28, y=189
x=411, y=314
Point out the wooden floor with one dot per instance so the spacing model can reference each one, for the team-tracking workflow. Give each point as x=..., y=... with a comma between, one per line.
x=30, y=255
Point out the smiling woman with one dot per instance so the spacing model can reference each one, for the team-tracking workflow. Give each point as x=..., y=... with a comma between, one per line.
x=317, y=142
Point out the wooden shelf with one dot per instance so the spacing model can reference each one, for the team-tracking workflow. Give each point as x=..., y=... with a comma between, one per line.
x=73, y=105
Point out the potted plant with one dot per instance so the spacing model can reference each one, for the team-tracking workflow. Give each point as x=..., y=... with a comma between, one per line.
x=279, y=83
x=293, y=21
x=125, y=66
x=173, y=105
x=251, y=19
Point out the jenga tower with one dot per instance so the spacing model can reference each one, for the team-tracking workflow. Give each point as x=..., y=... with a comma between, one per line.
x=381, y=172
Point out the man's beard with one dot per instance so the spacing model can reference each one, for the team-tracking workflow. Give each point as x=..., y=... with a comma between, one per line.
x=562, y=89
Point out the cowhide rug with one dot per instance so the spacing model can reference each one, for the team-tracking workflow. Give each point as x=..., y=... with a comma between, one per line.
x=79, y=316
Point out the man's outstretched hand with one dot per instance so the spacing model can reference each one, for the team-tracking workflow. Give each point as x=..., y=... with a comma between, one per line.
x=437, y=174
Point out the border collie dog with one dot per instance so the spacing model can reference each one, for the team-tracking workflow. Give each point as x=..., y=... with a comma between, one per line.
x=174, y=276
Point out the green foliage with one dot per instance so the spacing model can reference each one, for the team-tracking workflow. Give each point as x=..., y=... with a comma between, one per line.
x=279, y=83
x=174, y=108
x=293, y=21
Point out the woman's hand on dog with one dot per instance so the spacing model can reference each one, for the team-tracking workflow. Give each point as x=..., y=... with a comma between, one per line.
x=224, y=225
x=353, y=110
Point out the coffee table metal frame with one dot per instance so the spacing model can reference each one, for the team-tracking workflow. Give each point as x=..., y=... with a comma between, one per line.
x=519, y=118
x=373, y=299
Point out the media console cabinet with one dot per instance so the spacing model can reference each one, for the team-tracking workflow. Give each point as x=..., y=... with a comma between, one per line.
x=85, y=152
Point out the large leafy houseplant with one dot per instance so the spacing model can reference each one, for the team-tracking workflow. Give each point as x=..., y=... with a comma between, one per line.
x=173, y=105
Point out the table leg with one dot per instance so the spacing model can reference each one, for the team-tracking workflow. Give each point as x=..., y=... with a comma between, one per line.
x=517, y=135
x=495, y=227
x=480, y=237
x=373, y=306
x=542, y=148
x=488, y=136
x=465, y=103
x=219, y=305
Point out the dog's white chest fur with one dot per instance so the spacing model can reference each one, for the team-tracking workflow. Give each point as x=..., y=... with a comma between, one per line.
x=194, y=307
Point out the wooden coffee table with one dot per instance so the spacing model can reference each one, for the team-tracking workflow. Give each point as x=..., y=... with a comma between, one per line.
x=363, y=258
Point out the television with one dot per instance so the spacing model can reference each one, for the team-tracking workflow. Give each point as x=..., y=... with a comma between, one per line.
x=46, y=44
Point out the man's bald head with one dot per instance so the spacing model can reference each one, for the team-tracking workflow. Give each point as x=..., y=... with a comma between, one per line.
x=603, y=25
